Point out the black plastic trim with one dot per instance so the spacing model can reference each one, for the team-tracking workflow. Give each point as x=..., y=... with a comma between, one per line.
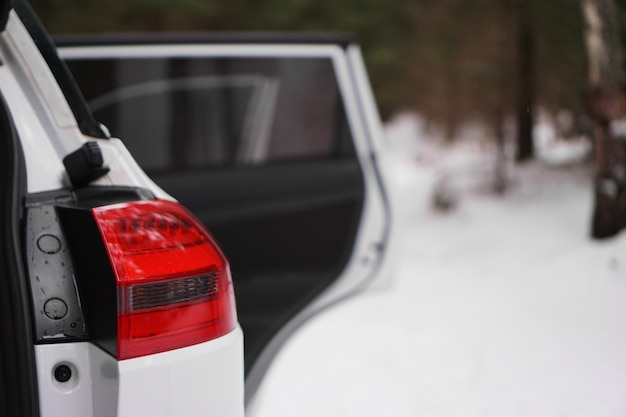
x=94, y=276
x=85, y=164
x=86, y=122
x=19, y=395
x=125, y=39
x=57, y=312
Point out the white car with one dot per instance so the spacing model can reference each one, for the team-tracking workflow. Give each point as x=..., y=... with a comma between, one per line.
x=116, y=299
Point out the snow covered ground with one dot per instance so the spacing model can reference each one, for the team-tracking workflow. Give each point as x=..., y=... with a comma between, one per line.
x=500, y=307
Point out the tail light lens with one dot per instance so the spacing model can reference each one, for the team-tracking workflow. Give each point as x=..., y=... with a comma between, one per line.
x=173, y=283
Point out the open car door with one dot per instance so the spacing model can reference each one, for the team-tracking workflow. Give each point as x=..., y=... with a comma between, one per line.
x=271, y=142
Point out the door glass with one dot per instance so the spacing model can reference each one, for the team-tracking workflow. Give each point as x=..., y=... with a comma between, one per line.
x=218, y=112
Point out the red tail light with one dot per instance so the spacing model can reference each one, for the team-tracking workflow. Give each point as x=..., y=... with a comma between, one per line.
x=173, y=282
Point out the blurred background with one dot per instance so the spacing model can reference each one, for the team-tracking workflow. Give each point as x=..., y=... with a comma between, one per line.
x=449, y=60
x=501, y=65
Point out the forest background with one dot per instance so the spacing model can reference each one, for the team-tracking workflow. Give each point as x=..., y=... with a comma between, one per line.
x=495, y=62
x=450, y=60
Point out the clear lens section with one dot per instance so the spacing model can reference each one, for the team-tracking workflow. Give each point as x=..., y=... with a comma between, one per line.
x=165, y=293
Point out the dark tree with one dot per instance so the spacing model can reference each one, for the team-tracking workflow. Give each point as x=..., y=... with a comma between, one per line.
x=607, y=109
x=525, y=83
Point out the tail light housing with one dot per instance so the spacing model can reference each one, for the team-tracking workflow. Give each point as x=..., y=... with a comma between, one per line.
x=173, y=283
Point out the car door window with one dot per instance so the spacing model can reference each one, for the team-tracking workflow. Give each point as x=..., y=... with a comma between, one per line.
x=219, y=112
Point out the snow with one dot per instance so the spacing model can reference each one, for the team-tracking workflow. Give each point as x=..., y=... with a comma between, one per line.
x=502, y=306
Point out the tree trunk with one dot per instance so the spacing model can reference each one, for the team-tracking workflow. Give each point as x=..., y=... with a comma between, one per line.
x=500, y=183
x=525, y=85
x=606, y=106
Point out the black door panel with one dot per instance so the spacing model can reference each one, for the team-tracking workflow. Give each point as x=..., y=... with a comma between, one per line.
x=253, y=192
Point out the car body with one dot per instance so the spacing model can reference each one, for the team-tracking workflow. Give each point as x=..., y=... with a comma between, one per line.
x=304, y=222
